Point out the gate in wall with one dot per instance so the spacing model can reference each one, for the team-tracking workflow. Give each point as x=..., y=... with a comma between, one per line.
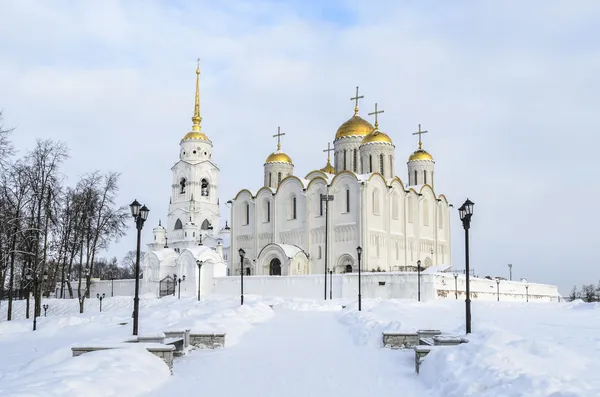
x=166, y=286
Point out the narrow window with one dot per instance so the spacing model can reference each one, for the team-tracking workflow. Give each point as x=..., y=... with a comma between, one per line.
x=278, y=178
x=347, y=200
x=270, y=179
x=370, y=163
x=294, y=207
x=345, y=166
x=415, y=181
x=268, y=211
x=424, y=177
x=319, y=252
x=247, y=214
x=354, y=162
x=381, y=164
x=320, y=206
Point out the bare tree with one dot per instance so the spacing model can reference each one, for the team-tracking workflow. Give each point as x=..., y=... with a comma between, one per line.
x=6, y=147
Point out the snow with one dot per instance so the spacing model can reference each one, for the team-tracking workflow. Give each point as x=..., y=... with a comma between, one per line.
x=304, y=347
x=290, y=250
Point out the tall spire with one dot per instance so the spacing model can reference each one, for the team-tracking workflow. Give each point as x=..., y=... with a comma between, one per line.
x=196, y=119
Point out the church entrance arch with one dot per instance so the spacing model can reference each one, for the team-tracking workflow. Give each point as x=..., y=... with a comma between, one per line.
x=275, y=267
x=345, y=264
x=348, y=269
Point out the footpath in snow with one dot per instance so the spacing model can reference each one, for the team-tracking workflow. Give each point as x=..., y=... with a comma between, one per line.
x=297, y=353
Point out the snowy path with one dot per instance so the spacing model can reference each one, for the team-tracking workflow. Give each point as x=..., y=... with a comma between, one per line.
x=297, y=353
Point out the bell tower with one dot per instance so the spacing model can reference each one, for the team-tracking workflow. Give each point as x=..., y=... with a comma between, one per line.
x=195, y=185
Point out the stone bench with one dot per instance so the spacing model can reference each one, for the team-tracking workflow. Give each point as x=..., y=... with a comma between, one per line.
x=184, y=334
x=207, y=341
x=152, y=338
x=400, y=340
x=165, y=352
x=420, y=353
x=447, y=340
x=179, y=344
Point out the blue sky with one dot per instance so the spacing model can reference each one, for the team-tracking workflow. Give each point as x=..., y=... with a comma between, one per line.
x=508, y=91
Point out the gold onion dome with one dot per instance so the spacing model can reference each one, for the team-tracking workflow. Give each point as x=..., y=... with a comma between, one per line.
x=420, y=154
x=278, y=157
x=328, y=168
x=356, y=126
x=196, y=133
x=377, y=136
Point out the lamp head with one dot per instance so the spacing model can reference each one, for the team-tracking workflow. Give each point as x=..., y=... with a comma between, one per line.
x=135, y=208
x=242, y=253
x=359, y=250
x=144, y=212
x=183, y=278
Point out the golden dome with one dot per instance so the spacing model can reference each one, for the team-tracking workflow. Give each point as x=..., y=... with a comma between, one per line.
x=356, y=126
x=195, y=136
x=278, y=157
x=328, y=168
x=377, y=136
x=420, y=155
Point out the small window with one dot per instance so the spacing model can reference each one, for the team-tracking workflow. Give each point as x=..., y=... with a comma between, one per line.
x=320, y=206
x=270, y=179
x=382, y=283
x=415, y=181
x=182, y=183
x=247, y=214
x=354, y=162
x=319, y=251
x=381, y=164
x=345, y=163
x=268, y=211
x=178, y=224
x=278, y=177
x=294, y=207
x=370, y=163
x=347, y=200
x=424, y=177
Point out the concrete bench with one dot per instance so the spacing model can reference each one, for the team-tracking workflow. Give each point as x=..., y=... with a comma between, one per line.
x=447, y=340
x=207, y=341
x=152, y=338
x=420, y=353
x=400, y=340
x=185, y=334
x=178, y=343
x=165, y=352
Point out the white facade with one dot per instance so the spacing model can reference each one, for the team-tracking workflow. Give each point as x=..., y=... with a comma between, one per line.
x=192, y=231
x=395, y=224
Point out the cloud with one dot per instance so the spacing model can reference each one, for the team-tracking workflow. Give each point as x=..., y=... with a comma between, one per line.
x=508, y=92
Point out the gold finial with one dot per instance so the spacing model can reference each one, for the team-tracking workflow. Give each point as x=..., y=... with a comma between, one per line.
x=355, y=99
x=419, y=133
x=376, y=112
x=278, y=135
x=328, y=150
x=196, y=119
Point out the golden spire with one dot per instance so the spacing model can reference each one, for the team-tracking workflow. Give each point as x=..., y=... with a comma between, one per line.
x=196, y=119
x=355, y=99
x=419, y=133
x=376, y=112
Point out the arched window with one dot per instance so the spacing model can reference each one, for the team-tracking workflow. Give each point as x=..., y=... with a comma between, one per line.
x=204, y=187
x=409, y=203
x=270, y=179
x=320, y=205
x=415, y=181
x=347, y=200
x=278, y=178
x=381, y=164
x=424, y=177
x=293, y=208
x=178, y=224
x=182, y=183
x=247, y=213
x=375, y=202
x=205, y=225
x=425, y=212
x=370, y=163
x=394, y=206
x=354, y=162
x=320, y=253
x=267, y=210
x=345, y=163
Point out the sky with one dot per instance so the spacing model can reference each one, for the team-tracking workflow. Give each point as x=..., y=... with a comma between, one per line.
x=507, y=90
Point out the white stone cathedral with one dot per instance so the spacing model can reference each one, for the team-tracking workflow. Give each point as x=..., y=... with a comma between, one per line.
x=192, y=232
x=282, y=226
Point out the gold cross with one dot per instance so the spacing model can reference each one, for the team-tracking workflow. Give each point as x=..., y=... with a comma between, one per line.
x=419, y=133
x=328, y=150
x=278, y=135
x=376, y=113
x=355, y=99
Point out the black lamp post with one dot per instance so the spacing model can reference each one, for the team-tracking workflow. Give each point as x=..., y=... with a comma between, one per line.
x=100, y=297
x=40, y=287
x=498, y=288
x=327, y=198
x=419, y=280
x=466, y=212
x=242, y=255
x=330, y=284
x=179, y=281
x=527, y=292
x=140, y=214
x=199, y=263
x=45, y=307
x=510, y=271
x=455, y=285
x=359, y=252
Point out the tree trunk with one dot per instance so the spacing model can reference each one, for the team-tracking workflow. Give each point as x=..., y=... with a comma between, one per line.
x=11, y=280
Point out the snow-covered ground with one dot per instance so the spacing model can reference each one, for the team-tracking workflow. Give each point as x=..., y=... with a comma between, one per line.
x=303, y=347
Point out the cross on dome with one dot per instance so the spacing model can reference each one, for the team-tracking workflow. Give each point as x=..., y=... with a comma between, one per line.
x=279, y=135
x=419, y=133
x=355, y=99
x=376, y=112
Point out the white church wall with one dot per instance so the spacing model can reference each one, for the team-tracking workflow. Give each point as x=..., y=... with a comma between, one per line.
x=290, y=227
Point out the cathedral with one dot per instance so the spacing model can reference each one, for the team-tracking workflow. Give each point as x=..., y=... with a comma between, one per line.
x=296, y=225
x=192, y=234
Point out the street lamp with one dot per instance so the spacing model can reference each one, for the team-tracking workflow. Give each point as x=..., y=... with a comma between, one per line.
x=359, y=252
x=140, y=214
x=179, y=281
x=39, y=294
x=498, y=288
x=100, y=297
x=199, y=263
x=510, y=271
x=242, y=255
x=327, y=198
x=419, y=280
x=455, y=285
x=45, y=307
x=330, y=284
x=466, y=212
x=527, y=292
